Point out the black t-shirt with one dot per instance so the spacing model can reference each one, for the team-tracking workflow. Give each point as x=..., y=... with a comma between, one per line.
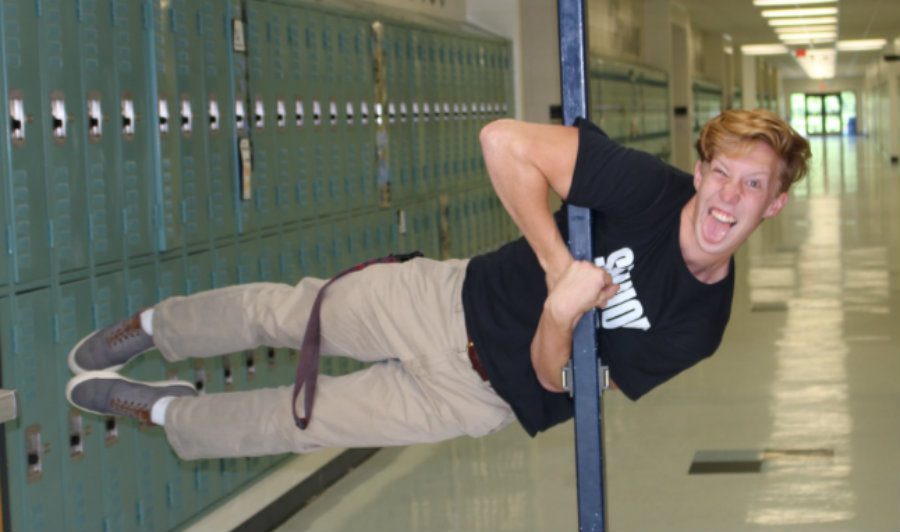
x=662, y=321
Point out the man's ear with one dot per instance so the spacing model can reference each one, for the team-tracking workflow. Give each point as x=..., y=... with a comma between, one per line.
x=776, y=205
x=698, y=174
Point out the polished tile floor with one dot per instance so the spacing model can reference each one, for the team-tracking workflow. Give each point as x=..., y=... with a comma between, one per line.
x=807, y=380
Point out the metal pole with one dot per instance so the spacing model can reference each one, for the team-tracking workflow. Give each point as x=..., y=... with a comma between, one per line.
x=586, y=364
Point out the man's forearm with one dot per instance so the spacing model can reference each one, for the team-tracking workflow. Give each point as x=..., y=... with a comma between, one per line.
x=523, y=171
x=551, y=349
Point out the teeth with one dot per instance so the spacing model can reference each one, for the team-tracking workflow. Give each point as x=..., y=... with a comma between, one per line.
x=722, y=217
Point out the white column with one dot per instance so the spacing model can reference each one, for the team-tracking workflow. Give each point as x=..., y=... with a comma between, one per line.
x=748, y=82
x=893, y=77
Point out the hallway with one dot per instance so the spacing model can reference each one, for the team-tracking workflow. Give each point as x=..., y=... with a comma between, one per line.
x=792, y=426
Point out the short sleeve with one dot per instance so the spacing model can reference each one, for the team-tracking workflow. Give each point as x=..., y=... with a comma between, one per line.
x=612, y=178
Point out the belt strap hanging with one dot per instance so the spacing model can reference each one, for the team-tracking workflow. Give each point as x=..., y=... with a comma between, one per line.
x=308, y=365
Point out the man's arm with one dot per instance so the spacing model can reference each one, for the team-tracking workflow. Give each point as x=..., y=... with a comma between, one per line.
x=524, y=162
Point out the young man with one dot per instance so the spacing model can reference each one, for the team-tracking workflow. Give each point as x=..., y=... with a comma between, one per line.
x=466, y=346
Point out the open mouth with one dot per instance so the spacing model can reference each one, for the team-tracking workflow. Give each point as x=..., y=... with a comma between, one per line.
x=722, y=216
x=717, y=225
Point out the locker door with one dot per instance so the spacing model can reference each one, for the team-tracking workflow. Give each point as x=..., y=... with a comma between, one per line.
x=63, y=135
x=202, y=478
x=164, y=129
x=297, y=136
x=218, y=92
x=99, y=104
x=130, y=128
x=188, y=109
x=81, y=435
x=151, y=454
x=25, y=107
x=262, y=116
x=34, y=470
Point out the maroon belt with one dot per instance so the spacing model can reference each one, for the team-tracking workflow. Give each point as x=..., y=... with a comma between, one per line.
x=476, y=362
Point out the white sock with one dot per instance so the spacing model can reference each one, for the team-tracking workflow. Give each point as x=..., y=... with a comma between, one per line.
x=147, y=321
x=158, y=410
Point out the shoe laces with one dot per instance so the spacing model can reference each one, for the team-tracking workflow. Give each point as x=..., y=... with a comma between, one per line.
x=135, y=409
x=130, y=329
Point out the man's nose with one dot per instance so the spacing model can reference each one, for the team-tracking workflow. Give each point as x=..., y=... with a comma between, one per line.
x=731, y=191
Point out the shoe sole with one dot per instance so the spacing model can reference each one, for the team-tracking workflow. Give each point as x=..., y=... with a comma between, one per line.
x=78, y=370
x=111, y=375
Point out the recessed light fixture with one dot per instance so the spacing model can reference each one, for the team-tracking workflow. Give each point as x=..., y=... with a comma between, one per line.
x=802, y=21
x=807, y=12
x=860, y=45
x=806, y=29
x=766, y=3
x=764, y=49
x=811, y=35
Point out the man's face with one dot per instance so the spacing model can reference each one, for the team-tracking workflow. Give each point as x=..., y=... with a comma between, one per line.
x=734, y=195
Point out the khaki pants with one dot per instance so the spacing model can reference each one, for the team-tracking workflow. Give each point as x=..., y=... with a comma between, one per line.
x=405, y=318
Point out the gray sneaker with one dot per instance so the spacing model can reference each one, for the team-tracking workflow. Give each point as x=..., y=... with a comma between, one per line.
x=110, y=394
x=110, y=348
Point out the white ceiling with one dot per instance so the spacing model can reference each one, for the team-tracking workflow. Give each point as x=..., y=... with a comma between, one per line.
x=857, y=19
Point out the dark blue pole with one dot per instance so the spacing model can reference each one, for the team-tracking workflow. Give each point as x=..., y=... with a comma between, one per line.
x=585, y=374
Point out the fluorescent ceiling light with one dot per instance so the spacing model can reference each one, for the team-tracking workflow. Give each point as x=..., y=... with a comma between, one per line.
x=763, y=49
x=808, y=12
x=802, y=21
x=861, y=45
x=800, y=37
x=791, y=2
x=806, y=29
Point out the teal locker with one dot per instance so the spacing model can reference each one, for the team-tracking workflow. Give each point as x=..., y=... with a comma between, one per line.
x=99, y=103
x=269, y=262
x=231, y=472
x=205, y=480
x=26, y=114
x=315, y=124
x=151, y=450
x=140, y=454
x=247, y=261
x=63, y=135
x=181, y=497
x=333, y=131
x=297, y=136
x=323, y=259
x=441, y=138
x=189, y=108
x=129, y=126
x=33, y=441
x=219, y=93
x=397, y=66
x=164, y=112
x=278, y=101
x=82, y=433
x=5, y=142
x=261, y=114
x=339, y=247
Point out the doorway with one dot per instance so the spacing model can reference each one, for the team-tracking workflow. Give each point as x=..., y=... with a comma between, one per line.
x=824, y=113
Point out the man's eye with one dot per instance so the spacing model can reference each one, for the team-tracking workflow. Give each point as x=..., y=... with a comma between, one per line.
x=753, y=183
